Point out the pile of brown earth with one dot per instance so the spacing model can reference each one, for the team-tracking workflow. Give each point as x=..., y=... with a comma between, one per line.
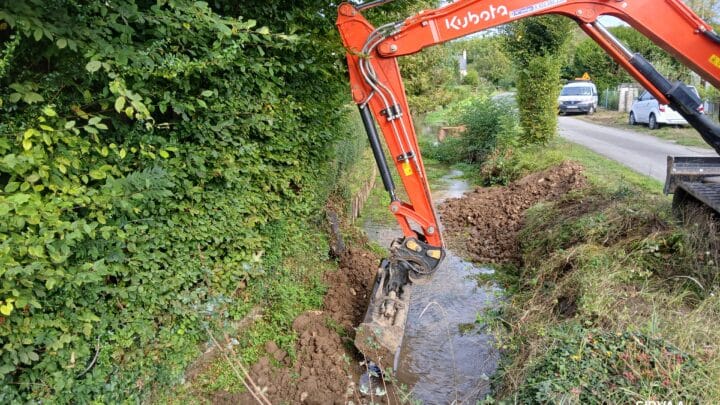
x=485, y=222
x=326, y=368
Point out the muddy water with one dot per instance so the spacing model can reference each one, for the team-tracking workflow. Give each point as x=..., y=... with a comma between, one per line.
x=446, y=357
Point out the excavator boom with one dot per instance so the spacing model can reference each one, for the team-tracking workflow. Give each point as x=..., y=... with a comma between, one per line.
x=377, y=88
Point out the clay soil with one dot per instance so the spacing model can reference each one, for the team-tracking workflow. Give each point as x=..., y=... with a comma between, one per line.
x=327, y=366
x=485, y=223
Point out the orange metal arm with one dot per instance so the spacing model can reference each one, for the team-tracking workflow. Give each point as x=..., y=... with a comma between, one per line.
x=668, y=23
x=390, y=109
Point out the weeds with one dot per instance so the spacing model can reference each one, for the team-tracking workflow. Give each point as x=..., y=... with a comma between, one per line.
x=593, y=366
x=240, y=371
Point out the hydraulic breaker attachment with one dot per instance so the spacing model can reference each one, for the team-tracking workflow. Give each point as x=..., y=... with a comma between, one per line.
x=380, y=335
x=694, y=178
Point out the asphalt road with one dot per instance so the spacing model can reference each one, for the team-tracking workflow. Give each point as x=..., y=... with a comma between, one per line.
x=644, y=154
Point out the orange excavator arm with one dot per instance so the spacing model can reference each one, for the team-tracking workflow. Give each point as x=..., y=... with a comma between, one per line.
x=378, y=90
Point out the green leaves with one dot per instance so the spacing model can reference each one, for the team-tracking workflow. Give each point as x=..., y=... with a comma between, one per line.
x=6, y=369
x=146, y=191
x=26, y=92
x=6, y=307
x=93, y=66
x=120, y=104
x=538, y=46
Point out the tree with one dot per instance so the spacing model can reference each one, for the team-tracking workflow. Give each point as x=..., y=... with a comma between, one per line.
x=429, y=77
x=706, y=9
x=488, y=57
x=607, y=73
x=537, y=46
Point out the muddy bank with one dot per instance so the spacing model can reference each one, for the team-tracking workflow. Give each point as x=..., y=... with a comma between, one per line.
x=485, y=223
x=326, y=368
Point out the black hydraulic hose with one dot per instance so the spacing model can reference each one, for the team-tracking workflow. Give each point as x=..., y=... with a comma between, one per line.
x=377, y=150
x=682, y=99
x=650, y=73
x=713, y=36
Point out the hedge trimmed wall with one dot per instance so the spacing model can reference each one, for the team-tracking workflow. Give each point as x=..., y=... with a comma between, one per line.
x=153, y=155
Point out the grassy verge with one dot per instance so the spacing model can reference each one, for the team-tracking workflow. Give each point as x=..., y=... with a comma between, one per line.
x=601, y=172
x=617, y=300
x=687, y=136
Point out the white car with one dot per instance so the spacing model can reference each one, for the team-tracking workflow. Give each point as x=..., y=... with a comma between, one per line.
x=578, y=96
x=647, y=110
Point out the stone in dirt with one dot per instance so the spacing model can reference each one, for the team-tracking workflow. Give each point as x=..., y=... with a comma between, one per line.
x=326, y=367
x=486, y=222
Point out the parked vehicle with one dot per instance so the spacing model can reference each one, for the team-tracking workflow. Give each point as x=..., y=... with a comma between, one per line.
x=580, y=96
x=647, y=110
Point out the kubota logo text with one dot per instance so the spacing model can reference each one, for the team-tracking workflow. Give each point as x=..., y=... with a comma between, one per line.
x=458, y=23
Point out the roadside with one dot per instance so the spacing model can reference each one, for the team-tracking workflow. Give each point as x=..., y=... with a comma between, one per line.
x=644, y=154
x=681, y=135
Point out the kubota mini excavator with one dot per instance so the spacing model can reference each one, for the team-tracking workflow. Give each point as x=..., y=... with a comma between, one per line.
x=378, y=90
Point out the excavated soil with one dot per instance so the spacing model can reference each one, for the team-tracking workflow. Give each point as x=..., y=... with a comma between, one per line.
x=486, y=221
x=326, y=367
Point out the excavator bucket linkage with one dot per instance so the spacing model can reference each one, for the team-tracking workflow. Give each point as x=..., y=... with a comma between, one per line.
x=380, y=335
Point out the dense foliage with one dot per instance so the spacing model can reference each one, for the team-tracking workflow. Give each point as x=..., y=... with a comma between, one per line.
x=595, y=366
x=154, y=156
x=537, y=47
x=431, y=78
x=487, y=59
x=491, y=133
x=606, y=73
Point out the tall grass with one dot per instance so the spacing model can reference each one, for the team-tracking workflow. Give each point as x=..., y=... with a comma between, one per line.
x=616, y=301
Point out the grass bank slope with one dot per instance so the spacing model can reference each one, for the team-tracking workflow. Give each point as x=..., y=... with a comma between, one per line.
x=614, y=298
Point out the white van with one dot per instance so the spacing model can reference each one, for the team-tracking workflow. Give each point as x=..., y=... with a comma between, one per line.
x=579, y=96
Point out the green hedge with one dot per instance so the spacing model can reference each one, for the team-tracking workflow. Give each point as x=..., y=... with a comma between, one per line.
x=538, y=47
x=153, y=155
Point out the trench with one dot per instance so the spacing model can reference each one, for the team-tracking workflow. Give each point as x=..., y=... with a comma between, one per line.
x=446, y=356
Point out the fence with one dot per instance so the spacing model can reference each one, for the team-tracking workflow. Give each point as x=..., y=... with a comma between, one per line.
x=621, y=99
x=610, y=99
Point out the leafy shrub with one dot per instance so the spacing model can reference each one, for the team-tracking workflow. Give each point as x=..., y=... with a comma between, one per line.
x=472, y=78
x=490, y=124
x=595, y=366
x=153, y=156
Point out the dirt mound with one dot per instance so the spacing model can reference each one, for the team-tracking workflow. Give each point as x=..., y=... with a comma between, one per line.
x=486, y=221
x=326, y=367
